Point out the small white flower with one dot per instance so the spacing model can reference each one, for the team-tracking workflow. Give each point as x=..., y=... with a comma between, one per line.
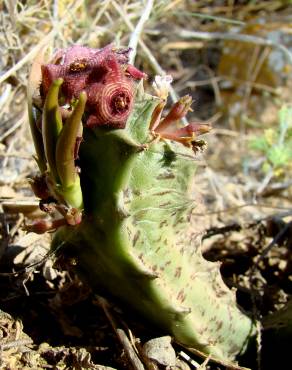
x=161, y=85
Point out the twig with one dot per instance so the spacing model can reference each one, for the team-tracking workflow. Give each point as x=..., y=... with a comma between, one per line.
x=15, y=155
x=276, y=187
x=13, y=128
x=231, y=209
x=17, y=226
x=19, y=206
x=134, y=39
x=265, y=182
x=210, y=17
x=253, y=71
x=152, y=60
x=191, y=361
x=235, y=36
x=221, y=230
x=135, y=361
x=155, y=65
x=33, y=266
x=5, y=95
x=207, y=359
x=131, y=354
x=279, y=237
x=29, y=56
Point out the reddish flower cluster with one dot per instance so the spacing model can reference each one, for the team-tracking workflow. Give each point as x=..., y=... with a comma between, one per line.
x=104, y=74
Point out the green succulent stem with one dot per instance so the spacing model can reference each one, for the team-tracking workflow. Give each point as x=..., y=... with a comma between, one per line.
x=136, y=240
x=51, y=126
x=130, y=218
x=65, y=155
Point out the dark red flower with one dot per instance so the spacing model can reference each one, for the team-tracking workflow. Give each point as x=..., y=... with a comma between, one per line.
x=104, y=74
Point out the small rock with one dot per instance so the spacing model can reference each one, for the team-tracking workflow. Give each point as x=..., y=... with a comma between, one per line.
x=160, y=350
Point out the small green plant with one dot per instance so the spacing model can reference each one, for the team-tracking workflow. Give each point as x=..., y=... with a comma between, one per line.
x=120, y=173
x=276, y=145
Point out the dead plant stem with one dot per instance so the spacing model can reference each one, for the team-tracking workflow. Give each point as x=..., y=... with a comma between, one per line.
x=136, y=34
x=237, y=37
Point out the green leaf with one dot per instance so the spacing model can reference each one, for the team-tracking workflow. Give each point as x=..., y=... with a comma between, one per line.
x=259, y=143
x=279, y=155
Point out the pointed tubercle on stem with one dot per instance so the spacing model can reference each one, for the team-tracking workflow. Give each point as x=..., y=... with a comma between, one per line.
x=66, y=154
x=52, y=126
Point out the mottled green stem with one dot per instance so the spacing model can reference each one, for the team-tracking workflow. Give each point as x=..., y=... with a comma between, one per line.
x=138, y=237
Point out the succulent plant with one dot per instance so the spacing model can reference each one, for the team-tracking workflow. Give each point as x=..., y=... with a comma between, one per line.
x=120, y=174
